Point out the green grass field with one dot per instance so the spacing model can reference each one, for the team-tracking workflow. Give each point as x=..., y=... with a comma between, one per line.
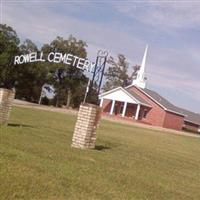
x=37, y=161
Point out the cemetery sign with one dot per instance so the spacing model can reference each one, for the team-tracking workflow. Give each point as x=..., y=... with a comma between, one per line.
x=55, y=57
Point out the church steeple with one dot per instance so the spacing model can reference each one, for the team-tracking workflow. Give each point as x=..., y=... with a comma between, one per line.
x=140, y=80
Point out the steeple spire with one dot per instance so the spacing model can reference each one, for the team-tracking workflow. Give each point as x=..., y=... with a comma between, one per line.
x=140, y=80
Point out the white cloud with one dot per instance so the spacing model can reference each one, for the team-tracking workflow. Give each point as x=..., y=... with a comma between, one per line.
x=172, y=80
x=42, y=25
x=163, y=15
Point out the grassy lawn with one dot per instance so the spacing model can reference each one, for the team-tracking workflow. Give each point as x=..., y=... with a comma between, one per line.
x=37, y=161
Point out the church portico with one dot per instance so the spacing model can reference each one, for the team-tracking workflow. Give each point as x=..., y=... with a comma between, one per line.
x=135, y=112
x=119, y=102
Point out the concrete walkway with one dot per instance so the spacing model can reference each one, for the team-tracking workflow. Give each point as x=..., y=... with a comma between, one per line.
x=26, y=104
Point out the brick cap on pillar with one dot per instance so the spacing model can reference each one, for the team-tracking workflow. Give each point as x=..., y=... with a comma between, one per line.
x=89, y=105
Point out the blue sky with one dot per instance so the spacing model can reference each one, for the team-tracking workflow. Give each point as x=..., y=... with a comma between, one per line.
x=171, y=28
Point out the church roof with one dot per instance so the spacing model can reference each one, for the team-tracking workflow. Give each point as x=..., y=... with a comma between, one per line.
x=118, y=96
x=140, y=99
x=162, y=101
x=189, y=116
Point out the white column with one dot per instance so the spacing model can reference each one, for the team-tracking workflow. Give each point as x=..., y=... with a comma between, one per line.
x=137, y=112
x=124, y=109
x=112, y=107
x=101, y=102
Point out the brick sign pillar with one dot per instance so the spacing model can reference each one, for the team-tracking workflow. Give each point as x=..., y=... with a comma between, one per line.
x=6, y=100
x=85, y=129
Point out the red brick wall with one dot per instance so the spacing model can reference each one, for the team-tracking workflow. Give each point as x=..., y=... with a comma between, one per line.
x=131, y=110
x=117, y=107
x=142, y=111
x=156, y=115
x=173, y=121
x=190, y=126
x=106, y=105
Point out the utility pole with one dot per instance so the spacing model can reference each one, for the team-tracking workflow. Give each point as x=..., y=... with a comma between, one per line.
x=41, y=94
x=87, y=90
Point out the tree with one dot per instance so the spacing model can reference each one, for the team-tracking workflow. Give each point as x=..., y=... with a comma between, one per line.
x=31, y=76
x=66, y=79
x=28, y=78
x=117, y=73
x=9, y=42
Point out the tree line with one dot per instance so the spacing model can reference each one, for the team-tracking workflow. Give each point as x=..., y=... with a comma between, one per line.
x=69, y=83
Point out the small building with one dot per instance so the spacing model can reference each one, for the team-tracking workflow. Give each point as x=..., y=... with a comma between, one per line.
x=136, y=102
